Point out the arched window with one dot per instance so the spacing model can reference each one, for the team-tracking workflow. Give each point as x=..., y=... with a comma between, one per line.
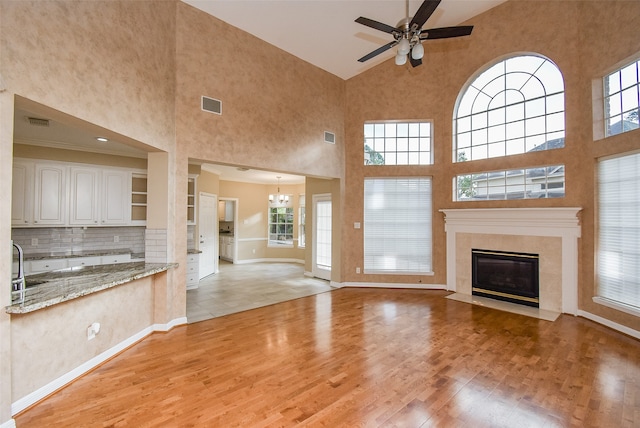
x=515, y=106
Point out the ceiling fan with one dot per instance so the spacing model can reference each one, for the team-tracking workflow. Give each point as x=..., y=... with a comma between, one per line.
x=408, y=34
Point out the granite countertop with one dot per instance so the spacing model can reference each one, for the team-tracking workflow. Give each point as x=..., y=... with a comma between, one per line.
x=50, y=288
x=70, y=254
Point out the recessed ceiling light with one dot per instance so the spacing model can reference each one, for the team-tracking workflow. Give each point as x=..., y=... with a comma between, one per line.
x=102, y=139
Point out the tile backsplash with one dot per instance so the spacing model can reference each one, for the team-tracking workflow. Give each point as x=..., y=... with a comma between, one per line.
x=58, y=239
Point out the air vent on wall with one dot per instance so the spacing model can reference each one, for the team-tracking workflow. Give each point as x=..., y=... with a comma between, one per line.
x=211, y=105
x=37, y=121
x=329, y=137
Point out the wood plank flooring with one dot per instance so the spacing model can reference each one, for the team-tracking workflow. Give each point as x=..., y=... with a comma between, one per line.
x=362, y=357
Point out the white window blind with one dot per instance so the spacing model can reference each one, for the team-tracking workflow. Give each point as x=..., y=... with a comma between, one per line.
x=397, y=225
x=619, y=230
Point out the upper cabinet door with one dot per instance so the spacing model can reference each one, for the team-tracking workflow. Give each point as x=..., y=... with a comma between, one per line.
x=22, y=194
x=116, y=197
x=83, y=193
x=50, y=195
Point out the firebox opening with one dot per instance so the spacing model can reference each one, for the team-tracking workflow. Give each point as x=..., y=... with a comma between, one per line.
x=512, y=277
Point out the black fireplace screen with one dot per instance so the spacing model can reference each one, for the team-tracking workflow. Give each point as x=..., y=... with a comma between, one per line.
x=512, y=277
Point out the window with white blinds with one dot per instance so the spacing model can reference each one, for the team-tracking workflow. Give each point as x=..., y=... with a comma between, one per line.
x=618, y=273
x=397, y=225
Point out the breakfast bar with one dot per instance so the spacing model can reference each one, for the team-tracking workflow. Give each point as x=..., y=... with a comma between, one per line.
x=51, y=288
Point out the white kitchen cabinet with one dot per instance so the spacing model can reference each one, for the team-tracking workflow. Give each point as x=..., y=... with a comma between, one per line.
x=116, y=197
x=46, y=193
x=193, y=268
x=115, y=258
x=225, y=210
x=22, y=194
x=84, y=261
x=50, y=194
x=38, y=266
x=227, y=244
x=83, y=194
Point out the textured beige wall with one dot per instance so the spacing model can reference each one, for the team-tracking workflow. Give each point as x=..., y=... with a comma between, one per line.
x=110, y=63
x=275, y=107
x=584, y=39
x=38, y=337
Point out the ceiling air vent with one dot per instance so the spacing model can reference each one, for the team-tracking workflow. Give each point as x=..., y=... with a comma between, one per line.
x=329, y=137
x=37, y=121
x=211, y=105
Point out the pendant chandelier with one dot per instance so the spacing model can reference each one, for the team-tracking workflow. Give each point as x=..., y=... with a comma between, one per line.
x=280, y=198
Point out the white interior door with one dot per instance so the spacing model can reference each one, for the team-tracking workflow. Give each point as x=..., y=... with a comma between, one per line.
x=208, y=241
x=322, y=236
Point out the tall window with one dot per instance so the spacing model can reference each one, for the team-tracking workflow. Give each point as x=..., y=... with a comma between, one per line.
x=530, y=183
x=514, y=107
x=302, y=222
x=323, y=234
x=622, y=99
x=618, y=273
x=397, y=225
x=280, y=225
x=397, y=143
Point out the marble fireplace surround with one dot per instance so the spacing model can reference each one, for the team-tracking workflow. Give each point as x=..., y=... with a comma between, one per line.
x=550, y=232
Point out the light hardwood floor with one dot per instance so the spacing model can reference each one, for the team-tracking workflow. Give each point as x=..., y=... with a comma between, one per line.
x=362, y=357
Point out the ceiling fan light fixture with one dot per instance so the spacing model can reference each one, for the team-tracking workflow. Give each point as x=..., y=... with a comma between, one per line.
x=404, y=47
x=401, y=59
x=417, y=52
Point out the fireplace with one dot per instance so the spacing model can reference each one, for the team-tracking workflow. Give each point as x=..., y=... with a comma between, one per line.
x=508, y=276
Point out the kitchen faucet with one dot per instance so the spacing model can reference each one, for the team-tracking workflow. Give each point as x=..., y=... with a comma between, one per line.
x=18, y=283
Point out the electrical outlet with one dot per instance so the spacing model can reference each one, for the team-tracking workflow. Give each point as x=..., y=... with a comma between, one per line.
x=34, y=242
x=92, y=330
x=358, y=269
x=116, y=238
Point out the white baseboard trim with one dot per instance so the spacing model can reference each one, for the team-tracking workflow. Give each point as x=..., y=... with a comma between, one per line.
x=611, y=324
x=393, y=285
x=267, y=260
x=168, y=326
x=37, y=395
x=11, y=423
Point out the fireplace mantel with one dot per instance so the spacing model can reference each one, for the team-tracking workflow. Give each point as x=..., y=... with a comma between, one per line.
x=562, y=223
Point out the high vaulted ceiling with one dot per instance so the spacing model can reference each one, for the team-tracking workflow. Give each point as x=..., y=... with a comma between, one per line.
x=323, y=32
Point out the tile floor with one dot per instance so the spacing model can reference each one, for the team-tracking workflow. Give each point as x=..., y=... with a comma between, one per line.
x=237, y=288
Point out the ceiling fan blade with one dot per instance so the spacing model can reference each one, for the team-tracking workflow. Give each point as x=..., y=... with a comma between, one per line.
x=446, y=32
x=425, y=10
x=415, y=62
x=376, y=25
x=378, y=51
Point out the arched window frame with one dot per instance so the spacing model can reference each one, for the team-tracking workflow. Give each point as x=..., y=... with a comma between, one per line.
x=514, y=106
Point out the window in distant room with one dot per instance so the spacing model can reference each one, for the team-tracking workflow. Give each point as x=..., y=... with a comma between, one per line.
x=397, y=143
x=622, y=99
x=515, y=106
x=397, y=225
x=280, y=224
x=302, y=222
x=618, y=249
